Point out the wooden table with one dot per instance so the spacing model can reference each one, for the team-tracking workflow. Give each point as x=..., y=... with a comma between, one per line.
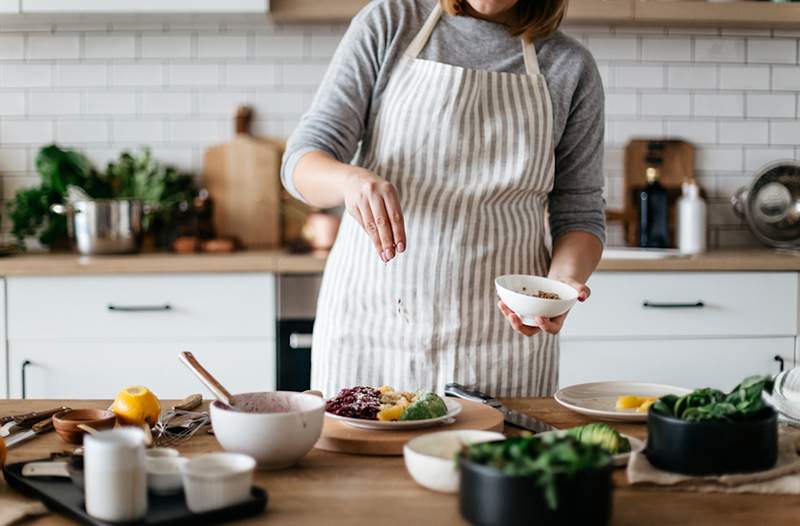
x=336, y=489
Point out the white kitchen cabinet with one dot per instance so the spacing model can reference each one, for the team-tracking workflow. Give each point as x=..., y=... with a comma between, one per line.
x=720, y=363
x=9, y=7
x=145, y=6
x=98, y=370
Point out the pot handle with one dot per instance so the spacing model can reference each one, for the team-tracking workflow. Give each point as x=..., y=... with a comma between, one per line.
x=739, y=201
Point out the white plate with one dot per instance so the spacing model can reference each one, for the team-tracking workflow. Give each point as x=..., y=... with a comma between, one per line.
x=620, y=459
x=453, y=409
x=599, y=399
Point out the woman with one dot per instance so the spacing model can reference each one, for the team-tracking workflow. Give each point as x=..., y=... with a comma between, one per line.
x=468, y=120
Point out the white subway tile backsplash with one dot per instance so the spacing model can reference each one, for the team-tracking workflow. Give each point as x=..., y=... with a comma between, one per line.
x=719, y=49
x=744, y=77
x=53, y=46
x=613, y=48
x=324, y=46
x=715, y=159
x=137, y=132
x=719, y=105
x=246, y=75
x=623, y=104
x=54, y=103
x=786, y=78
x=692, y=77
x=167, y=103
x=221, y=103
x=110, y=103
x=193, y=74
x=281, y=102
x=26, y=131
x=785, y=132
x=638, y=76
x=625, y=130
x=137, y=75
x=694, y=131
x=756, y=158
x=744, y=132
x=12, y=103
x=667, y=49
x=81, y=75
x=222, y=46
x=13, y=160
x=666, y=104
x=285, y=47
x=12, y=47
x=166, y=46
x=82, y=131
x=772, y=50
x=303, y=74
x=196, y=131
x=780, y=105
x=26, y=75
x=111, y=46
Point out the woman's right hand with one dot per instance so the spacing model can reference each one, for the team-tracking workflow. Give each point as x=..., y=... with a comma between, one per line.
x=375, y=205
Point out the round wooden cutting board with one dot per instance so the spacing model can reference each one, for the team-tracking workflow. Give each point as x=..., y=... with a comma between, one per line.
x=341, y=438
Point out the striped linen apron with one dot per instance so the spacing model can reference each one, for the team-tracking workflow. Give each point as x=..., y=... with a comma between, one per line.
x=471, y=154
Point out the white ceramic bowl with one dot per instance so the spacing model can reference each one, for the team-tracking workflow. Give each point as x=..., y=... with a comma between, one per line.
x=164, y=474
x=430, y=459
x=217, y=480
x=515, y=290
x=161, y=452
x=277, y=429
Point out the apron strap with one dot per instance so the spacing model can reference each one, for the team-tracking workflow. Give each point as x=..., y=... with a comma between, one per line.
x=531, y=60
x=418, y=44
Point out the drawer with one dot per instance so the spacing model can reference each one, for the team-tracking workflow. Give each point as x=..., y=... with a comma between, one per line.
x=98, y=370
x=631, y=304
x=196, y=306
x=720, y=363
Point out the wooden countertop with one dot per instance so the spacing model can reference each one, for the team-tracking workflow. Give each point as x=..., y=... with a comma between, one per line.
x=752, y=260
x=337, y=489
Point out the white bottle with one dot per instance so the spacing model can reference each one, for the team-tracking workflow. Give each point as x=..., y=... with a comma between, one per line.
x=691, y=220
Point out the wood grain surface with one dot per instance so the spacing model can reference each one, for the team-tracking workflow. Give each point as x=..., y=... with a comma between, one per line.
x=335, y=489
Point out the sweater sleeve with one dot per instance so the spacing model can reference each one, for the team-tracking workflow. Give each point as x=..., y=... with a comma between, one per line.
x=337, y=118
x=576, y=202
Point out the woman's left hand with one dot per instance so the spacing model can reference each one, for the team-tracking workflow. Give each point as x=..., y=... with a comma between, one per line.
x=551, y=325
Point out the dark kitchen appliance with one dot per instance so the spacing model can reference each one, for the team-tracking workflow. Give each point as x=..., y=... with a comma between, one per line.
x=297, y=305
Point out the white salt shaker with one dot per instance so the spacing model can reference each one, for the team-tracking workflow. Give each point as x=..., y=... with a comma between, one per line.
x=115, y=477
x=692, y=222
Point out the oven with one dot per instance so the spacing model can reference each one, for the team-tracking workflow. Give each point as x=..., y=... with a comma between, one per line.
x=297, y=305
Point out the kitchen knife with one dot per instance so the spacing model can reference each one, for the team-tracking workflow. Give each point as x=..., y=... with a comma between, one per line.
x=11, y=423
x=39, y=428
x=509, y=415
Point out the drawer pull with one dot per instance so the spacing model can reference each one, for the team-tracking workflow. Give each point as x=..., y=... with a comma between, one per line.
x=139, y=308
x=300, y=341
x=653, y=305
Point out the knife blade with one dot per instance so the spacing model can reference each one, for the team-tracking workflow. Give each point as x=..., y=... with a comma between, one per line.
x=10, y=423
x=511, y=416
x=39, y=428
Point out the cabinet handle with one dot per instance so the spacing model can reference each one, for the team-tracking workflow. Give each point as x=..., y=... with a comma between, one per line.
x=781, y=362
x=25, y=365
x=654, y=305
x=139, y=308
x=300, y=341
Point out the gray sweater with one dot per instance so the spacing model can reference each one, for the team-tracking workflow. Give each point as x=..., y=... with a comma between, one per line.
x=353, y=88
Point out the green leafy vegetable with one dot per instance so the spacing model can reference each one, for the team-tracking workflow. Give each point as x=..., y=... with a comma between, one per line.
x=602, y=435
x=547, y=458
x=428, y=405
x=712, y=405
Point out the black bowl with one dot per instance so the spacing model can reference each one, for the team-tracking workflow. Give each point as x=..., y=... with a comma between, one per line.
x=712, y=448
x=489, y=497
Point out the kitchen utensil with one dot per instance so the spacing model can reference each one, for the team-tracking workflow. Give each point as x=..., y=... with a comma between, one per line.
x=338, y=437
x=161, y=452
x=771, y=204
x=71, y=468
x=277, y=429
x=17, y=422
x=243, y=179
x=115, y=477
x=712, y=448
x=489, y=497
x=68, y=499
x=73, y=425
x=429, y=458
x=177, y=426
x=103, y=226
x=509, y=415
x=164, y=475
x=39, y=428
x=320, y=230
x=453, y=409
x=213, y=385
x=598, y=399
x=518, y=292
x=217, y=480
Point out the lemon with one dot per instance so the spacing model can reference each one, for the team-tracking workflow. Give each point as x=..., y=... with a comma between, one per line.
x=628, y=402
x=135, y=406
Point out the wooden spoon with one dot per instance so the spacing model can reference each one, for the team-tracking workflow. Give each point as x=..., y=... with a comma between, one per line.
x=222, y=394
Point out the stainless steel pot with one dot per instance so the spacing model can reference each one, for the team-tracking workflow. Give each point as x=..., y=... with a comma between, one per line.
x=103, y=226
x=771, y=205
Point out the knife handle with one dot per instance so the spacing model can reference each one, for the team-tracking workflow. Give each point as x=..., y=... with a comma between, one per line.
x=459, y=391
x=47, y=425
x=29, y=419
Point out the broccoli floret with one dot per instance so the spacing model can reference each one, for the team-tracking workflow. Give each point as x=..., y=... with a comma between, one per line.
x=428, y=405
x=603, y=435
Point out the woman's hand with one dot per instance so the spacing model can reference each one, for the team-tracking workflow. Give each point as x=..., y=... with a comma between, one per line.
x=374, y=204
x=551, y=325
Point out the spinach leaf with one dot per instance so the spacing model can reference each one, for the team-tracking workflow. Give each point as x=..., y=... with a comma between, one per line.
x=712, y=405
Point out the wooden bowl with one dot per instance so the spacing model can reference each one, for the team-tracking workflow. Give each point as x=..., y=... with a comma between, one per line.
x=67, y=424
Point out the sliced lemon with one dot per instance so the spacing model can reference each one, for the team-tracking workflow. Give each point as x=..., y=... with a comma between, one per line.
x=628, y=402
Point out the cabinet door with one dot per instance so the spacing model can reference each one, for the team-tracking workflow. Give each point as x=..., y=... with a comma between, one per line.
x=9, y=7
x=98, y=370
x=720, y=363
x=144, y=6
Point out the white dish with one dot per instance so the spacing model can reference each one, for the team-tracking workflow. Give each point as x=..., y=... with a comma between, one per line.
x=620, y=459
x=515, y=290
x=599, y=399
x=453, y=409
x=217, y=480
x=278, y=429
x=161, y=452
x=430, y=458
x=164, y=474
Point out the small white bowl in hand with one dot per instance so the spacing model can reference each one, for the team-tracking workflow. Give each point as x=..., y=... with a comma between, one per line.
x=518, y=292
x=217, y=480
x=430, y=458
